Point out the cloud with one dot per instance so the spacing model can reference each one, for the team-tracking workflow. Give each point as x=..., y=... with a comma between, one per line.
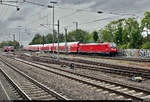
x=31, y=15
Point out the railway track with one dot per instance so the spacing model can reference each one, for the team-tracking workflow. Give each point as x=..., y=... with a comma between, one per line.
x=97, y=66
x=28, y=88
x=112, y=58
x=117, y=58
x=118, y=89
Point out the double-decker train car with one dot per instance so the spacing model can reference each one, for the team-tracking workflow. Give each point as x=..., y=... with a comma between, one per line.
x=76, y=47
x=70, y=47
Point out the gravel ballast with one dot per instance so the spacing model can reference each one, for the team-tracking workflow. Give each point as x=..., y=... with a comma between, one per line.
x=70, y=88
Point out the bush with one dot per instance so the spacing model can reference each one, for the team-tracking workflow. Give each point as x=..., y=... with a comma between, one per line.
x=122, y=46
x=146, y=45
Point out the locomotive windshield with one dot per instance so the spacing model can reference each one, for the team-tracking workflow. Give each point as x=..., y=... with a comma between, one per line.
x=112, y=45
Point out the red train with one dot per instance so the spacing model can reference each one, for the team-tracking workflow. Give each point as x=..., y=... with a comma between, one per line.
x=76, y=47
x=8, y=48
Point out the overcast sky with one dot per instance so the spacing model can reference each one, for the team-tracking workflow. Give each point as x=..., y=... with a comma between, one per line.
x=67, y=11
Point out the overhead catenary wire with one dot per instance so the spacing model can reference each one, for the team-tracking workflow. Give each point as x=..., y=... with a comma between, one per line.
x=65, y=16
x=1, y=12
x=34, y=3
x=77, y=10
x=5, y=11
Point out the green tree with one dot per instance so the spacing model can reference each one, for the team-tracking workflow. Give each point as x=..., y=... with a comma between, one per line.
x=49, y=38
x=134, y=33
x=145, y=24
x=146, y=45
x=38, y=39
x=126, y=33
x=95, y=36
x=10, y=43
x=83, y=36
x=15, y=44
x=113, y=32
x=146, y=21
x=147, y=38
x=4, y=43
x=61, y=38
x=106, y=35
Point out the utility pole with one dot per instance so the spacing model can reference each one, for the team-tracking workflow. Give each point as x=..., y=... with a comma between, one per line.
x=13, y=37
x=19, y=35
x=53, y=24
x=76, y=30
x=66, y=41
x=19, y=41
x=43, y=40
x=58, y=40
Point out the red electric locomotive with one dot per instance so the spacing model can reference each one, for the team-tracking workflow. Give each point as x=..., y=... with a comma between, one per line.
x=98, y=48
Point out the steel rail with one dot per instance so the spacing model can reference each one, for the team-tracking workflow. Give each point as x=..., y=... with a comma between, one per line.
x=19, y=90
x=125, y=86
x=123, y=70
x=45, y=88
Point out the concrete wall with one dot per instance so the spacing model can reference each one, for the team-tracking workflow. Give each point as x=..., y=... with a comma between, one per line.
x=135, y=53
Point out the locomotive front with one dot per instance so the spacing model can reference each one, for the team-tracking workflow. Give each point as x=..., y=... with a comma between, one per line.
x=113, y=48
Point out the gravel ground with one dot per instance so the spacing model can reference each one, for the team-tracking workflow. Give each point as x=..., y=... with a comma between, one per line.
x=144, y=65
x=109, y=76
x=115, y=77
x=3, y=93
x=67, y=87
x=6, y=86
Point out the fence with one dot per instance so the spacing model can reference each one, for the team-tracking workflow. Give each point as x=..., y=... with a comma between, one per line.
x=135, y=53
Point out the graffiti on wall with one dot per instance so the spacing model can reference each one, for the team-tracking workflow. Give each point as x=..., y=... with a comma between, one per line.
x=134, y=53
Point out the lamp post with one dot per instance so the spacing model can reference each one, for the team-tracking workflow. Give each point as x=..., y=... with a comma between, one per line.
x=53, y=24
x=58, y=41
x=19, y=35
x=66, y=40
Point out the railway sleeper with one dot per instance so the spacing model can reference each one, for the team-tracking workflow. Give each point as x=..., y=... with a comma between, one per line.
x=114, y=88
x=138, y=94
x=110, y=86
x=34, y=92
x=29, y=86
x=94, y=88
x=125, y=89
x=42, y=97
x=130, y=92
x=99, y=90
x=120, y=97
x=112, y=94
x=39, y=94
x=105, y=92
x=146, y=97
